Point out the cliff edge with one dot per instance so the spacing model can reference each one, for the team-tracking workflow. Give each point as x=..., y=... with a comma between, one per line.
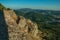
x=20, y=28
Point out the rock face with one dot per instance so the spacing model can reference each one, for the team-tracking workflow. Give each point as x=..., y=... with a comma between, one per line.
x=20, y=28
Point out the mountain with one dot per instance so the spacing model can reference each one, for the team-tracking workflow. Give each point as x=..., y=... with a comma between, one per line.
x=48, y=22
x=48, y=14
x=37, y=10
x=14, y=27
x=29, y=24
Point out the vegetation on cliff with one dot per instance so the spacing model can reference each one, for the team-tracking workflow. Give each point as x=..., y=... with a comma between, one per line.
x=1, y=7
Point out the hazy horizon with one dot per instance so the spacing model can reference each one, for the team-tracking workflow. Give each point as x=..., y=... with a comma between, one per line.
x=33, y=4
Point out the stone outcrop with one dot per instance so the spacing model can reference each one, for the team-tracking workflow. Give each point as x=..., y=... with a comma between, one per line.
x=20, y=28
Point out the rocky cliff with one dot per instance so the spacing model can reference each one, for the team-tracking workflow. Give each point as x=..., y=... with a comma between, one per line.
x=20, y=28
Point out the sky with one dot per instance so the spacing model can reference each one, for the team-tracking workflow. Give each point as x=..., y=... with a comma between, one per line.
x=34, y=4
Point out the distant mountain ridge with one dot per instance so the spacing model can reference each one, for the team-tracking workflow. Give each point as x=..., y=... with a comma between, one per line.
x=29, y=9
x=46, y=13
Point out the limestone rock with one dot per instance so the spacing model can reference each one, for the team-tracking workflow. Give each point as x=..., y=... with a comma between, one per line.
x=20, y=28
